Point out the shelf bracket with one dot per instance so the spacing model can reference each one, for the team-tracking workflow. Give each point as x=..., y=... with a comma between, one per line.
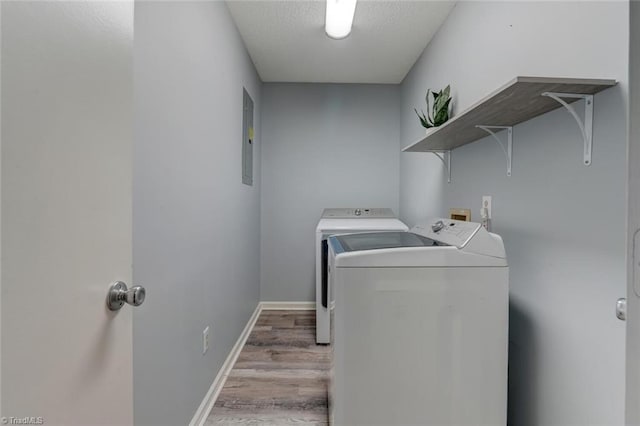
x=445, y=157
x=586, y=126
x=508, y=151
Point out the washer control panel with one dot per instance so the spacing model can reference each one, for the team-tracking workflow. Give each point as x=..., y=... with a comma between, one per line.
x=358, y=212
x=448, y=231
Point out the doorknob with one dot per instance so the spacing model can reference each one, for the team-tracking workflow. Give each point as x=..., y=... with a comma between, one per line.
x=119, y=294
x=621, y=309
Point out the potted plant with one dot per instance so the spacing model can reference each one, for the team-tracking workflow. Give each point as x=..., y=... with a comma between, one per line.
x=439, y=113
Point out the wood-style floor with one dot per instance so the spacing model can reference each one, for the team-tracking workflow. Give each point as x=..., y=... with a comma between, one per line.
x=280, y=377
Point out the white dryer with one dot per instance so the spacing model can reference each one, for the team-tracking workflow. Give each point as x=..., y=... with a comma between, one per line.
x=338, y=221
x=421, y=324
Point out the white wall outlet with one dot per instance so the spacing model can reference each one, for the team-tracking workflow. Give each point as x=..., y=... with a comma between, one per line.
x=486, y=204
x=205, y=340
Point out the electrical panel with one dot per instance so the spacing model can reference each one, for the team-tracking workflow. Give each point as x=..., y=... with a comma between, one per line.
x=247, y=138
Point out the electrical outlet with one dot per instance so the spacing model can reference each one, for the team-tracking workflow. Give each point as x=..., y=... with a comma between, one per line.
x=205, y=340
x=486, y=204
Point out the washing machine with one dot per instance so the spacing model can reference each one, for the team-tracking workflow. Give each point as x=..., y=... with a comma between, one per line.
x=336, y=221
x=420, y=326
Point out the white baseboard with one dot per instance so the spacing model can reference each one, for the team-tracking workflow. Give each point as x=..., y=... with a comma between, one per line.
x=210, y=398
x=293, y=306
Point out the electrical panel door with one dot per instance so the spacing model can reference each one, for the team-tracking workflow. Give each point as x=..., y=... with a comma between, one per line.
x=247, y=138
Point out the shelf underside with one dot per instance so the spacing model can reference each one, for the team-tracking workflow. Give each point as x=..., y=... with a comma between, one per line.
x=519, y=100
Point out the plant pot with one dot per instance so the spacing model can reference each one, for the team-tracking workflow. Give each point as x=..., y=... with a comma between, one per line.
x=431, y=130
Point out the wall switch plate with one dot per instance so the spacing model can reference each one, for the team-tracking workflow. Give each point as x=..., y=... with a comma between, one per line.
x=205, y=340
x=486, y=204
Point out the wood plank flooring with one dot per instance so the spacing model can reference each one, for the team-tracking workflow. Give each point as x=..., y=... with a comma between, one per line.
x=280, y=377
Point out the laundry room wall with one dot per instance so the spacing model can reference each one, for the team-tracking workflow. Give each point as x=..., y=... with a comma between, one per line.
x=563, y=223
x=323, y=145
x=196, y=226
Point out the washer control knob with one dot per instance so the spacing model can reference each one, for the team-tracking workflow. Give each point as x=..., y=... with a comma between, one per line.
x=437, y=227
x=358, y=212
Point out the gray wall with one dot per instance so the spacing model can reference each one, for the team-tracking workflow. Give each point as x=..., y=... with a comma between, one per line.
x=324, y=145
x=196, y=226
x=563, y=223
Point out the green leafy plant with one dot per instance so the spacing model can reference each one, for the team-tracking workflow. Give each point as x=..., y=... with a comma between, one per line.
x=439, y=114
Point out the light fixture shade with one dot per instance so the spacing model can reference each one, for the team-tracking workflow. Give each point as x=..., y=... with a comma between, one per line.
x=339, y=18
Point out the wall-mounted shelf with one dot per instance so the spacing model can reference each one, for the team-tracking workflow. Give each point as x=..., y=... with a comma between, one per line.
x=522, y=99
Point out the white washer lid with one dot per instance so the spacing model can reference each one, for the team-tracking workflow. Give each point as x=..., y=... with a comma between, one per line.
x=468, y=244
x=344, y=243
x=362, y=224
x=416, y=257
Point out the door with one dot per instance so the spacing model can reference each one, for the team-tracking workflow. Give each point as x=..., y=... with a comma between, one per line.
x=66, y=210
x=633, y=238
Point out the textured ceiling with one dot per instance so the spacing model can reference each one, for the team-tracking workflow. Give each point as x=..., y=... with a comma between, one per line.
x=287, y=42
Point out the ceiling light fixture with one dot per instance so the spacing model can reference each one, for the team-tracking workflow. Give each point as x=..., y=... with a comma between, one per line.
x=339, y=18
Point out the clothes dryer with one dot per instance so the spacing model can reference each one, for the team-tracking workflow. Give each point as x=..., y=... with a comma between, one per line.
x=339, y=221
